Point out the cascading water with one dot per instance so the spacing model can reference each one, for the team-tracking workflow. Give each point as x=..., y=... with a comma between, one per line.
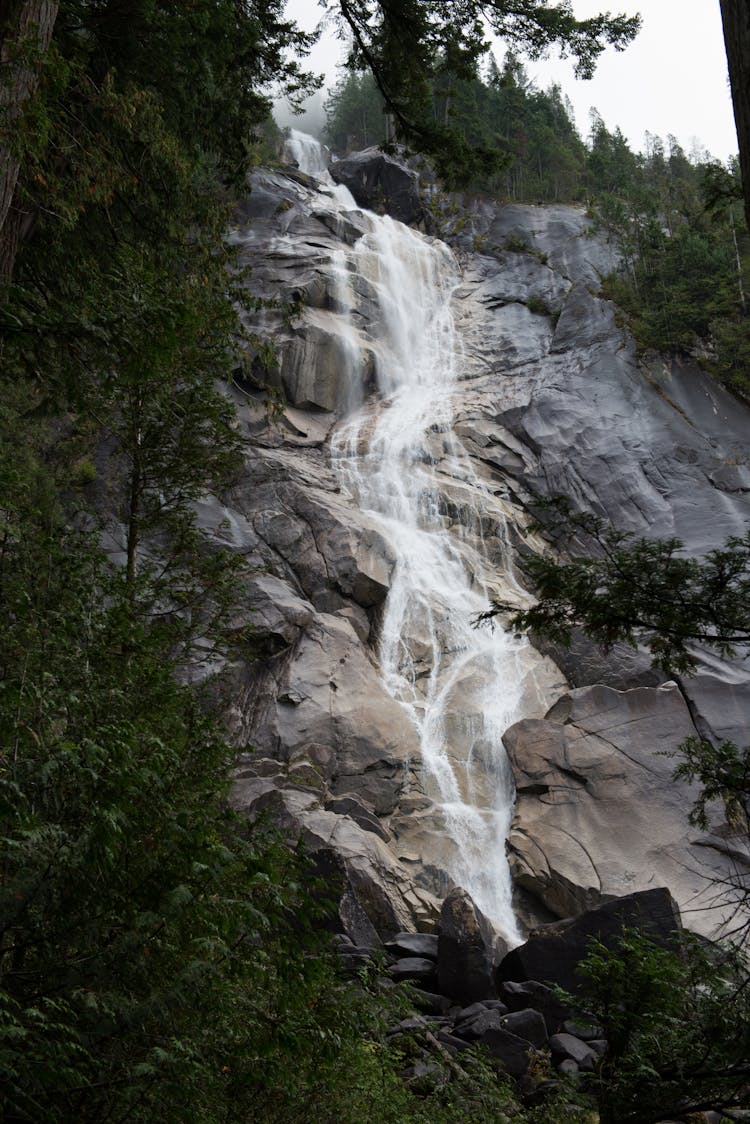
x=400, y=461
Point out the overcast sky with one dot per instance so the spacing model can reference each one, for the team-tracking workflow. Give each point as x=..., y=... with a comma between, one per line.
x=672, y=79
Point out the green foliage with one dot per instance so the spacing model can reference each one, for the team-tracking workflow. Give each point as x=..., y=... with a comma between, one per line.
x=685, y=250
x=355, y=115
x=677, y=1024
x=638, y=590
x=537, y=151
x=536, y=305
x=422, y=52
x=724, y=774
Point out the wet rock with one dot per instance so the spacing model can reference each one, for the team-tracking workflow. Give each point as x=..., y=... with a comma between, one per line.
x=381, y=183
x=466, y=949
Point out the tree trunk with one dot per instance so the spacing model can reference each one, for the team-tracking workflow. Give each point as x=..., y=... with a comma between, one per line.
x=26, y=33
x=735, y=15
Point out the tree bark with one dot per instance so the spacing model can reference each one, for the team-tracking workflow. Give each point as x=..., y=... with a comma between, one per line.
x=26, y=33
x=735, y=15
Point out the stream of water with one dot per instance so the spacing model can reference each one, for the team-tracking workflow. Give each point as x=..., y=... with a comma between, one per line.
x=400, y=461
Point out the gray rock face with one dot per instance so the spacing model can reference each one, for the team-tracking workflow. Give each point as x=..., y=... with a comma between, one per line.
x=598, y=814
x=376, y=895
x=552, y=400
x=414, y=944
x=382, y=184
x=655, y=447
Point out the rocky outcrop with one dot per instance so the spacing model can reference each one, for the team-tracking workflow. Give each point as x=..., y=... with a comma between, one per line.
x=598, y=814
x=382, y=184
x=552, y=954
x=375, y=896
x=467, y=949
x=653, y=445
x=536, y=1032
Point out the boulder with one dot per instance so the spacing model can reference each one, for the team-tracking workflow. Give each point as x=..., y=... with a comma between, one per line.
x=552, y=955
x=527, y=1024
x=431, y=1003
x=415, y=968
x=568, y=1046
x=520, y=996
x=475, y=1028
x=452, y=1042
x=381, y=183
x=467, y=949
x=513, y=1053
x=414, y=944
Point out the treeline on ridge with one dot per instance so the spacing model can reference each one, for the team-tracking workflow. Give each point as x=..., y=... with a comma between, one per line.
x=678, y=218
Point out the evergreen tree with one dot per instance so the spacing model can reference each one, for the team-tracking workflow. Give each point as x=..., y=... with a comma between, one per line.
x=636, y=590
x=355, y=114
x=406, y=46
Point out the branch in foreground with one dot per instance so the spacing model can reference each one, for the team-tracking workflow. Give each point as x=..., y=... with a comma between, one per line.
x=638, y=591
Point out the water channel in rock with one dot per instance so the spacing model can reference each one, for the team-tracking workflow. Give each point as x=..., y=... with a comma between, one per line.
x=397, y=456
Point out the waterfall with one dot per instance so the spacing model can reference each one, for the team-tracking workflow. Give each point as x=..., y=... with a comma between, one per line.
x=401, y=462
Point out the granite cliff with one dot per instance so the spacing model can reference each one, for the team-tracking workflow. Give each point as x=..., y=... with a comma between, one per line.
x=378, y=518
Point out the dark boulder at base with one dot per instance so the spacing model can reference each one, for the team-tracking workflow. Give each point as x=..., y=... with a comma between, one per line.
x=564, y=1046
x=415, y=968
x=467, y=950
x=414, y=944
x=552, y=954
x=475, y=1028
x=381, y=183
x=527, y=1024
x=513, y=1053
x=531, y=993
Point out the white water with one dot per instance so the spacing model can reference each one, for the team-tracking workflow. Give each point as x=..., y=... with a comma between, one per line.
x=309, y=156
x=462, y=687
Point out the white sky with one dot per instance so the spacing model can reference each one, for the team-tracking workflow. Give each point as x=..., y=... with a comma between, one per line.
x=672, y=79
